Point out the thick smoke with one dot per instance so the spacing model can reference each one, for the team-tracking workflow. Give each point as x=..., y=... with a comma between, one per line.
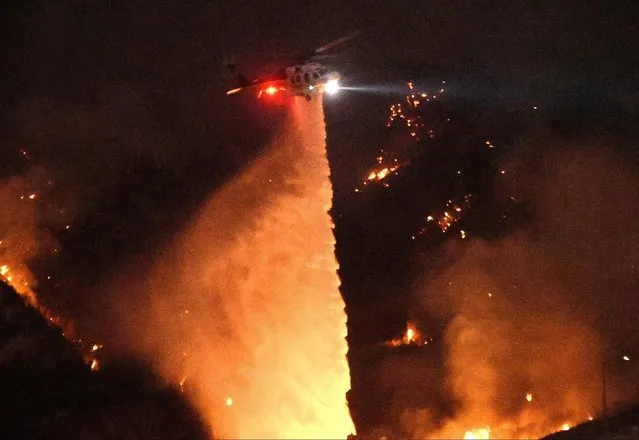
x=533, y=317
x=244, y=310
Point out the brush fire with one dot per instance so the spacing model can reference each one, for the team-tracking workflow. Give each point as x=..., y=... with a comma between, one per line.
x=412, y=336
x=406, y=115
x=24, y=237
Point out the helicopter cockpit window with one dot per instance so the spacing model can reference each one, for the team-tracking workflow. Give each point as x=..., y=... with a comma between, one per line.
x=315, y=75
x=306, y=78
x=323, y=71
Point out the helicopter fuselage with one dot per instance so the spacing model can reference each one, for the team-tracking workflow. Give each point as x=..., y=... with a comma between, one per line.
x=310, y=79
x=305, y=80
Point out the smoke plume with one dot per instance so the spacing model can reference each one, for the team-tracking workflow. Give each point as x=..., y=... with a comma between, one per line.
x=533, y=316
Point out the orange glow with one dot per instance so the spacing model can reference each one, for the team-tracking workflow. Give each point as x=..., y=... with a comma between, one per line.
x=451, y=213
x=524, y=426
x=380, y=174
x=22, y=281
x=477, y=434
x=24, y=238
x=263, y=343
x=409, y=334
x=412, y=337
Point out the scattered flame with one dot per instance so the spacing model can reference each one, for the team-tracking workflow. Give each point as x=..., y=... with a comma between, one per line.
x=26, y=236
x=478, y=434
x=405, y=113
x=412, y=336
x=21, y=280
x=182, y=382
x=451, y=213
x=529, y=397
x=382, y=173
x=520, y=428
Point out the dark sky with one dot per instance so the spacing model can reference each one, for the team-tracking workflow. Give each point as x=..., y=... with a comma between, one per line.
x=124, y=107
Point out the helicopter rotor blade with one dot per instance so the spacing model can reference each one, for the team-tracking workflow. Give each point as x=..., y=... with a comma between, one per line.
x=337, y=42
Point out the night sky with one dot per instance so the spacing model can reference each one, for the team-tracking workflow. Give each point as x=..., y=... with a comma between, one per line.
x=124, y=108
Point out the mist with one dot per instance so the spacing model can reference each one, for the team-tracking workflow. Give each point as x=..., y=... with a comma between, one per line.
x=243, y=309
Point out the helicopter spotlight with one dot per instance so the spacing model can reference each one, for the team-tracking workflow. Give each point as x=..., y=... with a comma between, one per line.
x=332, y=86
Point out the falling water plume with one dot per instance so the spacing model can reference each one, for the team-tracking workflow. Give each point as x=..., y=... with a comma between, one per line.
x=246, y=313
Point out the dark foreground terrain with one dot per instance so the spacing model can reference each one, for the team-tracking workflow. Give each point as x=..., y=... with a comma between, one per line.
x=48, y=391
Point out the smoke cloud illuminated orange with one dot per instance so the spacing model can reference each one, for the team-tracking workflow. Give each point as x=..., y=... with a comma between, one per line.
x=532, y=316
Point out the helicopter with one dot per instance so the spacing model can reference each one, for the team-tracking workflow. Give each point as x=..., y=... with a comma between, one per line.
x=306, y=78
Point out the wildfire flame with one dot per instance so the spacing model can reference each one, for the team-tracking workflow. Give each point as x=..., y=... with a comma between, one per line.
x=412, y=336
x=477, y=434
x=24, y=197
x=451, y=213
x=379, y=175
x=405, y=113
